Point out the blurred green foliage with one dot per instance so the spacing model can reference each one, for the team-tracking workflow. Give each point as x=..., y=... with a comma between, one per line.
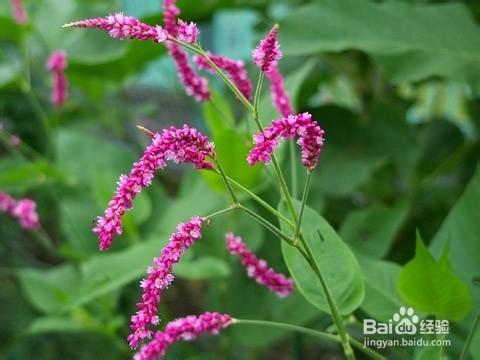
x=395, y=84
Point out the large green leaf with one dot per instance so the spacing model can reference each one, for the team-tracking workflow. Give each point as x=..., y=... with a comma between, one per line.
x=397, y=34
x=381, y=298
x=372, y=230
x=49, y=290
x=431, y=286
x=339, y=266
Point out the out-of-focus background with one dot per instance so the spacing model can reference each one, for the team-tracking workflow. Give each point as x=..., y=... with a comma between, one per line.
x=395, y=84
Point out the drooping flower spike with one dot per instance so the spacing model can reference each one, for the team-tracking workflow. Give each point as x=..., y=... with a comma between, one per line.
x=19, y=13
x=280, y=98
x=235, y=70
x=181, y=145
x=186, y=329
x=309, y=133
x=57, y=63
x=122, y=27
x=267, y=53
x=194, y=84
x=160, y=277
x=258, y=269
x=25, y=210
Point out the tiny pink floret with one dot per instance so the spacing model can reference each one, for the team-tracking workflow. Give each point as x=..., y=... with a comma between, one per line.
x=258, y=269
x=235, y=70
x=309, y=133
x=121, y=27
x=24, y=210
x=57, y=63
x=183, y=329
x=267, y=53
x=160, y=277
x=180, y=145
x=187, y=32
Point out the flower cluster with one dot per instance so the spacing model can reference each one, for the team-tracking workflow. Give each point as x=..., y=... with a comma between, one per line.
x=160, y=277
x=310, y=139
x=25, y=210
x=121, y=27
x=267, y=53
x=235, y=70
x=187, y=329
x=280, y=98
x=258, y=269
x=187, y=32
x=195, y=85
x=57, y=63
x=181, y=145
x=19, y=13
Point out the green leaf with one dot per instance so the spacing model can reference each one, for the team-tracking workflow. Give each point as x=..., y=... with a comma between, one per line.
x=57, y=324
x=381, y=298
x=399, y=36
x=371, y=231
x=49, y=290
x=431, y=286
x=346, y=282
x=10, y=64
x=204, y=268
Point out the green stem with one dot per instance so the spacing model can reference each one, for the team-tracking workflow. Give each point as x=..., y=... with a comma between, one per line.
x=470, y=337
x=261, y=202
x=302, y=207
x=300, y=329
x=258, y=93
x=221, y=212
x=199, y=51
x=284, y=187
x=293, y=170
x=226, y=181
x=337, y=318
x=267, y=224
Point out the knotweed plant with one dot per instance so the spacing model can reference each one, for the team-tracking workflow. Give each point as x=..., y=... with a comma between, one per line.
x=187, y=145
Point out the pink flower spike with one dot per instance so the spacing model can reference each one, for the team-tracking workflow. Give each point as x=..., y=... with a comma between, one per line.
x=309, y=133
x=122, y=27
x=19, y=13
x=280, y=98
x=180, y=145
x=235, y=70
x=194, y=84
x=186, y=329
x=267, y=53
x=25, y=210
x=187, y=32
x=57, y=63
x=160, y=277
x=258, y=269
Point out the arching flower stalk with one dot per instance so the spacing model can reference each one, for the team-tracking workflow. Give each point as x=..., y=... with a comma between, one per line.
x=180, y=145
x=309, y=133
x=57, y=63
x=19, y=13
x=183, y=329
x=235, y=70
x=258, y=268
x=25, y=210
x=195, y=85
x=160, y=277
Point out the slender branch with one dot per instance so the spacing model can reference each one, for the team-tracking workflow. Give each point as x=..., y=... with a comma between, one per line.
x=221, y=212
x=260, y=201
x=276, y=231
x=226, y=181
x=258, y=93
x=284, y=187
x=468, y=342
x=293, y=170
x=302, y=207
x=318, y=334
